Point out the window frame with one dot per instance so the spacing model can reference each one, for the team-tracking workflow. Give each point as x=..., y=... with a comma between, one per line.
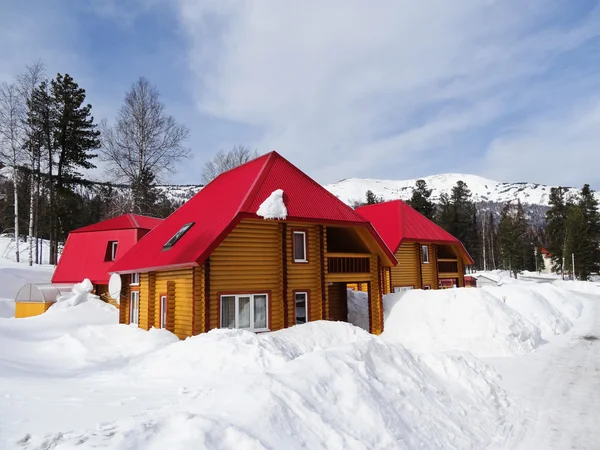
x=306, y=296
x=252, y=296
x=425, y=254
x=177, y=236
x=305, y=246
x=133, y=278
x=132, y=309
x=163, y=314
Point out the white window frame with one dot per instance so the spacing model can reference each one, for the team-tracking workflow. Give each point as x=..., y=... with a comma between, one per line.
x=164, y=311
x=113, y=250
x=305, y=306
x=303, y=233
x=134, y=279
x=425, y=254
x=134, y=299
x=237, y=297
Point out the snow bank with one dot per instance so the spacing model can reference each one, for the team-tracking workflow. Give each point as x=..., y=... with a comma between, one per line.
x=367, y=394
x=549, y=308
x=468, y=319
x=273, y=207
x=585, y=287
x=358, y=309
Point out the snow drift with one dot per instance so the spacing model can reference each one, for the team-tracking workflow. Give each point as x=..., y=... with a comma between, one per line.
x=472, y=320
x=284, y=390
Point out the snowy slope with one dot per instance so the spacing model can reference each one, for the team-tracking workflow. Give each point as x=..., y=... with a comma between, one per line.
x=353, y=189
x=483, y=189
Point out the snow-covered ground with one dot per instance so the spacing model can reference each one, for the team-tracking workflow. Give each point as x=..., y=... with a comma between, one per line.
x=74, y=378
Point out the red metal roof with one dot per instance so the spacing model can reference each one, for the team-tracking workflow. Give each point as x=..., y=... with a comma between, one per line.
x=397, y=222
x=233, y=195
x=84, y=255
x=124, y=222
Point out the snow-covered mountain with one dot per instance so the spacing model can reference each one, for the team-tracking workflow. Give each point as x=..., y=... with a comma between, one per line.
x=351, y=190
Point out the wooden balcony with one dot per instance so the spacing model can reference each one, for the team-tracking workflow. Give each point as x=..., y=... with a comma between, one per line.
x=348, y=263
x=447, y=265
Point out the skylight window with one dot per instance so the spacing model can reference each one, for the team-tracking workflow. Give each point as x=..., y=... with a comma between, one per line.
x=171, y=242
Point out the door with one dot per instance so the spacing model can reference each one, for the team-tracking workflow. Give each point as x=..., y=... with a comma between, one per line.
x=164, y=309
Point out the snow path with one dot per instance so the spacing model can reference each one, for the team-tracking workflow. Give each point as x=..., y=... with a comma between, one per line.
x=561, y=384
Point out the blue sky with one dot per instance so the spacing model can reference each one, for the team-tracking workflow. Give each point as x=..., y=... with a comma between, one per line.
x=394, y=89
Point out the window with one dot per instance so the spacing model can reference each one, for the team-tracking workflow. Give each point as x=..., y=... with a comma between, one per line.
x=171, y=242
x=163, y=311
x=134, y=308
x=300, y=246
x=134, y=279
x=245, y=311
x=427, y=287
x=111, y=251
x=301, y=307
x=403, y=288
x=425, y=253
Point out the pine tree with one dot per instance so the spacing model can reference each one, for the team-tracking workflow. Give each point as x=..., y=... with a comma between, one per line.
x=540, y=265
x=556, y=218
x=420, y=200
x=515, y=244
x=371, y=198
x=457, y=214
x=577, y=244
x=75, y=136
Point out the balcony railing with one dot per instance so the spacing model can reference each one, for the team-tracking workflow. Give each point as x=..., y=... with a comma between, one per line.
x=448, y=266
x=348, y=263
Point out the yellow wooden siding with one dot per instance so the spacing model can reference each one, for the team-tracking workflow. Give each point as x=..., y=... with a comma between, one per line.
x=429, y=270
x=375, y=299
x=406, y=273
x=199, y=301
x=304, y=277
x=324, y=307
x=248, y=260
x=178, y=285
x=144, y=320
x=30, y=309
x=153, y=311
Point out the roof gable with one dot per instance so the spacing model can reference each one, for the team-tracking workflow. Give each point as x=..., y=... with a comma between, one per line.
x=233, y=195
x=396, y=222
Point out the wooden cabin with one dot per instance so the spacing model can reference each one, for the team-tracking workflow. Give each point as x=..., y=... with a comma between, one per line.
x=428, y=256
x=215, y=263
x=90, y=251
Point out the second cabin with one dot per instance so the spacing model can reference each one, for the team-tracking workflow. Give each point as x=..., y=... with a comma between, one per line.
x=428, y=256
x=216, y=263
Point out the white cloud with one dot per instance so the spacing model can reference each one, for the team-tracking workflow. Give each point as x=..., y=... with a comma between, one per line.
x=348, y=88
x=563, y=144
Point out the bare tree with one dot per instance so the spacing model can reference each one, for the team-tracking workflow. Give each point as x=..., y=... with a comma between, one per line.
x=11, y=141
x=28, y=81
x=145, y=143
x=222, y=162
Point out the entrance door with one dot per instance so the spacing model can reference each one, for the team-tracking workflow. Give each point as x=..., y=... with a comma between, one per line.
x=163, y=311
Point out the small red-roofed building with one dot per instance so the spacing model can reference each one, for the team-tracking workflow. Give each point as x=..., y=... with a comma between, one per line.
x=428, y=256
x=90, y=251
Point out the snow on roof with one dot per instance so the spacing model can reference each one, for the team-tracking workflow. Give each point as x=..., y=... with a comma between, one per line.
x=229, y=198
x=397, y=222
x=273, y=207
